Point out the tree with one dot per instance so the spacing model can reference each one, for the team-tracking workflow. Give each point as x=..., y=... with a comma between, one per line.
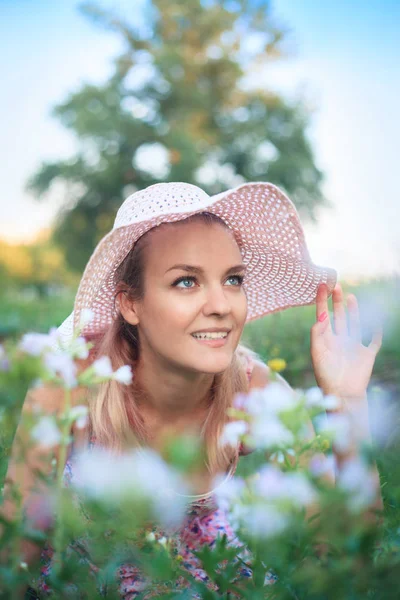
x=38, y=265
x=176, y=109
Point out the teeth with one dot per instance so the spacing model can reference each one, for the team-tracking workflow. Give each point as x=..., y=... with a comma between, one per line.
x=210, y=336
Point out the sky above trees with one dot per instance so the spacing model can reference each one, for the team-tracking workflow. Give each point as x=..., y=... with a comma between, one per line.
x=344, y=61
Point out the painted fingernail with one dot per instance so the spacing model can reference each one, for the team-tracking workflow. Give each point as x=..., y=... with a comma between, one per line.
x=322, y=317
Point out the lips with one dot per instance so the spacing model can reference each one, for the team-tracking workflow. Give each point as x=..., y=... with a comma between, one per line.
x=212, y=342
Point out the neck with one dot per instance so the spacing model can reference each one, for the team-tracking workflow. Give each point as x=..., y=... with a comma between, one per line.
x=171, y=396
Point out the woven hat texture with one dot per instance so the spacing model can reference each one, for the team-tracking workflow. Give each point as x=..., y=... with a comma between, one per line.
x=280, y=273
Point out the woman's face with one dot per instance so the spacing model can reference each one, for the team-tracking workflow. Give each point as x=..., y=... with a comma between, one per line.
x=179, y=302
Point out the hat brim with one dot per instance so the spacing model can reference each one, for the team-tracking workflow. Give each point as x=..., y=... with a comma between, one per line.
x=267, y=228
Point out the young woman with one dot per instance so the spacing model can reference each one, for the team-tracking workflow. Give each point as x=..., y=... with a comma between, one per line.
x=171, y=288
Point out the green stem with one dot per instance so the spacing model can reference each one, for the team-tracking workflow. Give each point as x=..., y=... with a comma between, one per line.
x=59, y=530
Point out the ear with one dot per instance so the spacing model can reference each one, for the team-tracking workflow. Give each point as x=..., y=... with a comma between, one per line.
x=128, y=308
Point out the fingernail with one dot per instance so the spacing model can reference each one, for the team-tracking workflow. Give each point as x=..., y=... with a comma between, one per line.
x=322, y=317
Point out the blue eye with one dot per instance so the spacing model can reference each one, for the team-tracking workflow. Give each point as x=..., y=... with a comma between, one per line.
x=239, y=279
x=183, y=279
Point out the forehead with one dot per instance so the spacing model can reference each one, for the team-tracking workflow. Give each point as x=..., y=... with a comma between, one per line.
x=192, y=242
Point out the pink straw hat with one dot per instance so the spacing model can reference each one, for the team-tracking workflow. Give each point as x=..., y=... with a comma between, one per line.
x=266, y=226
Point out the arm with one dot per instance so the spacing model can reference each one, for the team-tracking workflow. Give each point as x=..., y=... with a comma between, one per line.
x=30, y=467
x=356, y=409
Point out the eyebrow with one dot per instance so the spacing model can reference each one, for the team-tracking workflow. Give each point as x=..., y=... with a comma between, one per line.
x=199, y=270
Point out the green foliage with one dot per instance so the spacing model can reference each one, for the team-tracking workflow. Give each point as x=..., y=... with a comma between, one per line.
x=22, y=310
x=193, y=102
x=334, y=553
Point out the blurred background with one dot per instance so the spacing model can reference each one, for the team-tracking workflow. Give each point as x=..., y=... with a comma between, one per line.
x=101, y=99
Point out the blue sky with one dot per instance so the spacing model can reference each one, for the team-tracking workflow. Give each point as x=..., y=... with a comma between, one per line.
x=344, y=62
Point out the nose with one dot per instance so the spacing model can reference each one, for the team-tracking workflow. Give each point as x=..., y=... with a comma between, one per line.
x=216, y=301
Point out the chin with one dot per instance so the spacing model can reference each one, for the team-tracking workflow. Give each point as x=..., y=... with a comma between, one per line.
x=214, y=364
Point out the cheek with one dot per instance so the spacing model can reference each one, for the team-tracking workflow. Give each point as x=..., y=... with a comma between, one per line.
x=168, y=312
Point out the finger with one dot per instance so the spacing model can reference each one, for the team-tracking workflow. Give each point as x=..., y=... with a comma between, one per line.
x=377, y=338
x=321, y=300
x=339, y=312
x=323, y=323
x=354, y=318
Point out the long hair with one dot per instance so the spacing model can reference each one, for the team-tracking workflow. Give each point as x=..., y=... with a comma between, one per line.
x=114, y=416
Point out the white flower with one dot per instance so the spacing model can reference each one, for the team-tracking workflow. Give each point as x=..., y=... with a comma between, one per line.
x=232, y=432
x=123, y=375
x=46, y=432
x=61, y=364
x=79, y=348
x=140, y=474
x=320, y=465
x=356, y=479
x=338, y=428
x=273, y=399
x=260, y=520
x=86, y=317
x=331, y=402
x=269, y=432
x=315, y=398
x=79, y=414
x=150, y=537
x=103, y=367
x=274, y=486
x=228, y=493
x=36, y=343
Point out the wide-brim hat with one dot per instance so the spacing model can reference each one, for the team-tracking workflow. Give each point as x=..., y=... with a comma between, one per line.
x=266, y=226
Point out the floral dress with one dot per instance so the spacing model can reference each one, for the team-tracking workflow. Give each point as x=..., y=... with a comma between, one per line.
x=203, y=523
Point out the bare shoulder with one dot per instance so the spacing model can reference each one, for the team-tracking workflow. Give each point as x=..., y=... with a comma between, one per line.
x=260, y=375
x=261, y=378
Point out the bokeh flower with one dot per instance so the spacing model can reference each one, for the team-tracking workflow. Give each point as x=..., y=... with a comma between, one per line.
x=123, y=375
x=106, y=477
x=102, y=367
x=277, y=364
x=36, y=343
x=46, y=432
x=79, y=415
x=232, y=433
x=60, y=363
x=359, y=482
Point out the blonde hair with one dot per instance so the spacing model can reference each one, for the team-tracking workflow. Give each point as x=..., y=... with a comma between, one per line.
x=114, y=415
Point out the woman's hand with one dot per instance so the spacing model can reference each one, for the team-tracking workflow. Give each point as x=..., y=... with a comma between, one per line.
x=342, y=364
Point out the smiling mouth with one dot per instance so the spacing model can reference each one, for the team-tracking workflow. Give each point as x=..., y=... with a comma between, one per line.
x=212, y=340
x=220, y=335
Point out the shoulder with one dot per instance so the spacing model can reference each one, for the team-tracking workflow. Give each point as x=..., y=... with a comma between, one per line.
x=261, y=376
